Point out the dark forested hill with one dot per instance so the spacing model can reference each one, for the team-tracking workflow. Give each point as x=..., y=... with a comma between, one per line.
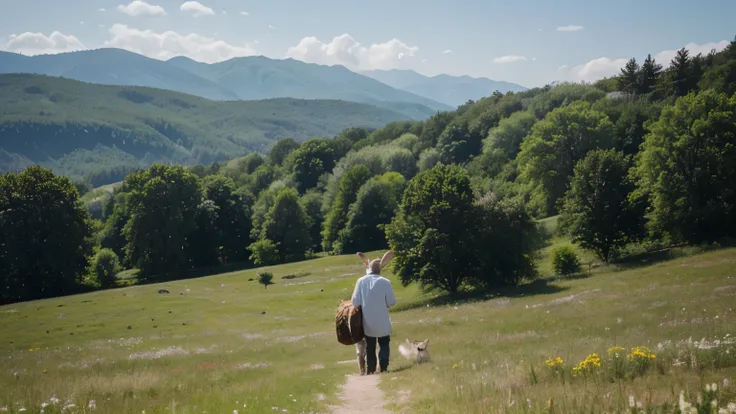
x=78, y=128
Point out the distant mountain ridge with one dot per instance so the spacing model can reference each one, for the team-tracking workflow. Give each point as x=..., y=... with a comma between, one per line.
x=451, y=90
x=246, y=78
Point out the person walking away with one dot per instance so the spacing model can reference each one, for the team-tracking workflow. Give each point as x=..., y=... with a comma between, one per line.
x=374, y=295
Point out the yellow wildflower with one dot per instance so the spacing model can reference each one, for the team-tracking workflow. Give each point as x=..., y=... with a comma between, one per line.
x=588, y=365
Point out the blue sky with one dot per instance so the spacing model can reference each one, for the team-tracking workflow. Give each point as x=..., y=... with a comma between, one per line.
x=528, y=42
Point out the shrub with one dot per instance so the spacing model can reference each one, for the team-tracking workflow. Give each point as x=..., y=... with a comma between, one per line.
x=105, y=268
x=265, y=278
x=264, y=252
x=565, y=261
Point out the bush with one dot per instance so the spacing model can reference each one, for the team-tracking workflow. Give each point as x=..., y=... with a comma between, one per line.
x=565, y=261
x=105, y=268
x=264, y=252
x=265, y=278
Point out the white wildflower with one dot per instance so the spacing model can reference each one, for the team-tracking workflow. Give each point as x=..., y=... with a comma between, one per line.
x=707, y=387
x=235, y=411
x=92, y=404
x=44, y=404
x=21, y=410
x=714, y=387
x=631, y=401
x=54, y=400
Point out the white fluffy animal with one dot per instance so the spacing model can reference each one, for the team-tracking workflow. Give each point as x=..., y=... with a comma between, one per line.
x=415, y=350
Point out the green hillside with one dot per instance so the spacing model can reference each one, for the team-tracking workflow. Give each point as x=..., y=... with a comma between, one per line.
x=76, y=127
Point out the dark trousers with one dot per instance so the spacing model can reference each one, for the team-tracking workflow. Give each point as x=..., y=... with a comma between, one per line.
x=383, y=353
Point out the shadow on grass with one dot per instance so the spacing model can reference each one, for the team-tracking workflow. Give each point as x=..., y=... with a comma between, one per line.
x=649, y=258
x=537, y=287
x=576, y=276
x=400, y=369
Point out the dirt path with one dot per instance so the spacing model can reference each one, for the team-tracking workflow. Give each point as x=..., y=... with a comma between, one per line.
x=360, y=394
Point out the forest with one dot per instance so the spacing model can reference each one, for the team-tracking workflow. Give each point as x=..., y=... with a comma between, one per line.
x=639, y=161
x=98, y=133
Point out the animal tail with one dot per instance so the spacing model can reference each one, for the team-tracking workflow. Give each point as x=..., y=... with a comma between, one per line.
x=405, y=351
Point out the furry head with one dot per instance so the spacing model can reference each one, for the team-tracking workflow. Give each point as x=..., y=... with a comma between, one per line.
x=374, y=266
x=415, y=350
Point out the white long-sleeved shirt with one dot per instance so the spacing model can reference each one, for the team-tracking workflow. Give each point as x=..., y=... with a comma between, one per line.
x=375, y=295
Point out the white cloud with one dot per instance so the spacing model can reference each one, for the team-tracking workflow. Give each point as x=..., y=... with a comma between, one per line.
x=570, y=28
x=597, y=68
x=166, y=45
x=534, y=59
x=141, y=8
x=101, y=10
x=605, y=67
x=664, y=57
x=29, y=43
x=509, y=59
x=196, y=8
x=346, y=51
x=245, y=13
x=271, y=27
x=447, y=52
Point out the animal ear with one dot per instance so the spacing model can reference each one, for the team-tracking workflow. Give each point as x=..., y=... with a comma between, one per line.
x=387, y=258
x=426, y=341
x=364, y=258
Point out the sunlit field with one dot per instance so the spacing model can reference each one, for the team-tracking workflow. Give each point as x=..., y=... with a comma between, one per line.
x=223, y=343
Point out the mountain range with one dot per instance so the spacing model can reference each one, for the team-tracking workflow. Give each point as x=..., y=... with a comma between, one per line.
x=451, y=90
x=257, y=77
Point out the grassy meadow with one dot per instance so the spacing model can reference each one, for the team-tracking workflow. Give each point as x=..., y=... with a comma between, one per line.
x=224, y=343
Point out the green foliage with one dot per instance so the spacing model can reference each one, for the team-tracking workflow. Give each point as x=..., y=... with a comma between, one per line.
x=378, y=159
x=265, y=278
x=431, y=234
x=105, y=267
x=457, y=143
x=548, y=155
x=565, y=261
x=509, y=133
x=562, y=95
x=428, y=159
x=264, y=253
x=506, y=243
x=408, y=141
x=337, y=216
x=375, y=205
x=687, y=168
x=44, y=235
x=308, y=162
x=628, y=79
x=163, y=206
x=287, y=226
x=231, y=223
x=311, y=202
x=281, y=149
x=597, y=212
